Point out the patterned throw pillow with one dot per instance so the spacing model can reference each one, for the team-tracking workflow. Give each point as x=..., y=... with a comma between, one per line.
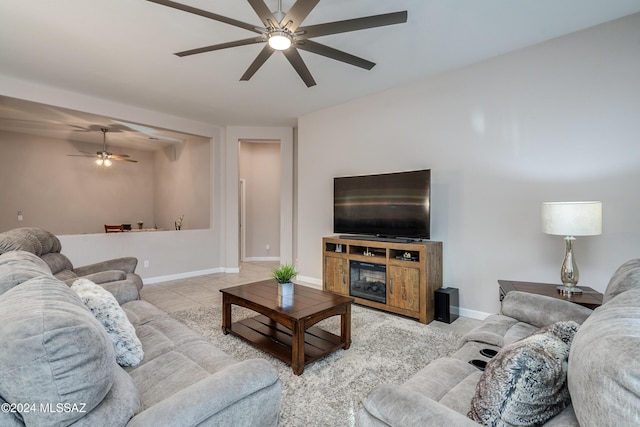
x=525, y=384
x=107, y=311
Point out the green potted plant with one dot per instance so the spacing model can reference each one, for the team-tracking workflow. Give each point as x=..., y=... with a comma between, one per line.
x=283, y=275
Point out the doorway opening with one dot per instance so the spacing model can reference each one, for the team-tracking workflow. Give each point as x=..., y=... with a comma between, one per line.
x=259, y=200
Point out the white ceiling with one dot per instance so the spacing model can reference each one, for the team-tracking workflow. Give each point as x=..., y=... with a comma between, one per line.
x=122, y=50
x=20, y=116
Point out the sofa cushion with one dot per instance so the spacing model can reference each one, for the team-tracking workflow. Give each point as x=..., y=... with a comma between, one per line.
x=52, y=351
x=541, y=310
x=24, y=258
x=30, y=239
x=107, y=311
x=161, y=334
x=19, y=239
x=9, y=419
x=48, y=241
x=19, y=266
x=499, y=330
x=526, y=382
x=57, y=262
x=448, y=381
x=626, y=277
x=604, y=366
x=106, y=276
x=119, y=405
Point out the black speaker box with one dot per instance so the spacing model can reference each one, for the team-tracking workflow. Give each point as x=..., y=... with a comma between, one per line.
x=446, y=305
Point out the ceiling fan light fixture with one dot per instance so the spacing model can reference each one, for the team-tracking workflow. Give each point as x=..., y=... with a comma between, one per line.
x=280, y=40
x=105, y=158
x=104, y=161
x=283, y=31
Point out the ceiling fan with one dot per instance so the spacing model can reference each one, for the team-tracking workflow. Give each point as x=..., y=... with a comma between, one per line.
x=284, y=32
x=104, y=158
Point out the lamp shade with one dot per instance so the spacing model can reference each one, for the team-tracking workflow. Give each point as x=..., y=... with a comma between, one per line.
x=572, y=218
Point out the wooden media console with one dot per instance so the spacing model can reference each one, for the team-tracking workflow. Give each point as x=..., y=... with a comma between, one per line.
x=399, y=277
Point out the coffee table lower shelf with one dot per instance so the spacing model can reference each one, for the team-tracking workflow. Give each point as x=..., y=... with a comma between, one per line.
x=277, y=340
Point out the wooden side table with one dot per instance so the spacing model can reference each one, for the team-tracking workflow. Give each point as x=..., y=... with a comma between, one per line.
x=589, y=297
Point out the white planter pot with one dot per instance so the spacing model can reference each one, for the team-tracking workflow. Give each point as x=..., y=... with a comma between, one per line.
x=285, y=289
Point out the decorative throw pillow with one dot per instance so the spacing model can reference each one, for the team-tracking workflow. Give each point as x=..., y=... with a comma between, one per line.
x=525, y=384
x=108, y=312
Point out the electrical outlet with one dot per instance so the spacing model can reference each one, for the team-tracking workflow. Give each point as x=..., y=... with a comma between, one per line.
x=19, y=215
x=146, y=263
x=268, y=246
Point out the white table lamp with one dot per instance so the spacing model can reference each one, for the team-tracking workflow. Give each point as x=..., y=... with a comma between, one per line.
x=571, y=219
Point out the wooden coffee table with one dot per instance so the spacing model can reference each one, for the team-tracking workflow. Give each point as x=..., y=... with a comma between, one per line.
x=284, y=327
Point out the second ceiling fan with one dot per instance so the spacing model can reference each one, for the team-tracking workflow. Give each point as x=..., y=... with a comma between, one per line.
x=104, y=157
x=284, y=32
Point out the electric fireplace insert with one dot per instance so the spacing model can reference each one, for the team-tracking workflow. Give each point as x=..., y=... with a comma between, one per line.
x=368, y=281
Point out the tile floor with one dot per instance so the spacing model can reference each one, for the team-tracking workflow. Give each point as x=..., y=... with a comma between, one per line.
x=202, y=291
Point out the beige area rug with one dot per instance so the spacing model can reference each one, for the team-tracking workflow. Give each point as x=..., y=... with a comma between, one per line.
x=385, y=349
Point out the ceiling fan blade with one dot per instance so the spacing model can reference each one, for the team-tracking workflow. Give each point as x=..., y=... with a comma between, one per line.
x=207, y=14
x=262, y=57
x=220, y=46
x=119, y=158
x=79, y=128
x=338, y=55
x=81, y=155
x=267, y=18
x=351, y=25
x=119, y=155
x=298, y=64
x=298, y=12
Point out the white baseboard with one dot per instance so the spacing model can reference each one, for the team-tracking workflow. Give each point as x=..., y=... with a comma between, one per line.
x=317, y=283
x=473, y=314
x=160, y=279
x=312, y=281
x=263, y=258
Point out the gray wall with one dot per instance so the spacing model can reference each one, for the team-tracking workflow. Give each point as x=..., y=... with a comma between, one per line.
x=72, y=195
x=260, y=169
x=557, y=121
x=182, y=185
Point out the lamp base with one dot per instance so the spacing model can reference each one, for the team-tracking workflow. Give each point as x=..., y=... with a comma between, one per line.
x=568, y=290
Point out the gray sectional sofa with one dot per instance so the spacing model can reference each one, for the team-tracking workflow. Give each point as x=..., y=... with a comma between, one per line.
x=556, y=363
x=602, y=370
x=116, y=275
x=58, y=366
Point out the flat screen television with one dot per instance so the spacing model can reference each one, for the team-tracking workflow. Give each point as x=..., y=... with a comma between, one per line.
x=383, y=205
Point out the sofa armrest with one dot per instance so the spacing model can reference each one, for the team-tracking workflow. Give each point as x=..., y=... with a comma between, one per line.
x=541, y=310
x=107, y=276
x=126, y=264
x=123, y=290
x=398, y=406
x=204, y=399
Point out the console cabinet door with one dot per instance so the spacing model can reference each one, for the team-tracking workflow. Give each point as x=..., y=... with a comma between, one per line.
x=404, y=287
x=336, y=273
